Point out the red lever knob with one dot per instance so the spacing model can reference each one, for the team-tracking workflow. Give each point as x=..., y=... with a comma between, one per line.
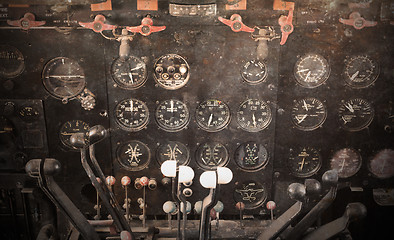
x=236, y=24
x=110, y=180
x=146, y=27
x=286, y=26
x=26, y=22
x=125, y=181
x=98, y=24
x=144, y=181
x=271, y=205
x=357, y=21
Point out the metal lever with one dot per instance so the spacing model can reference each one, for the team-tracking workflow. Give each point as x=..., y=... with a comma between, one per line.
x=286, y=26
x=207, y=204
x=236, y=24
x=357, y=21
x=98, y=24
x=28, y=21
x=146, y=27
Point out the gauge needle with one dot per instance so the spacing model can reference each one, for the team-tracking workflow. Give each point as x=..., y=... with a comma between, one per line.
x=131, y=77
x=305, y=105
x=172, y=106
x=344, y=120
x=343, y=165
x=131, y=106
x=307, y=76
x=354, y=75
x=210, y=119
x=302, y=164
x=303, y=70
x=302, y=119
x=254, y=120
x=383, y=165
x=349, y=106
x=138, y=67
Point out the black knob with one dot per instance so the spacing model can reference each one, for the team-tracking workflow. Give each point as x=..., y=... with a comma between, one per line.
x=296, y=191
x=77, y=140
x=97, y=133
x=356, y=211
x=330, y=178
x=312, y=186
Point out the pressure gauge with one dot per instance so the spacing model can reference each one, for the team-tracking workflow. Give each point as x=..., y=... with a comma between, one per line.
x=311, y=70
x=174, y=151
x=251, y=156
x=308, y=114
x=212, y=115
x=361, y=71
x=254, y=72
x=251, y=193
x=71, y=127
x=254, y=115
x=382, y=164
x=171, y=71
x=12, y=62
x=355, y=114
x=131, y=114
x=304, y=161
x=346, y=161
x=129, y=73
x=172, y=115
x=133, y=155
x=211, y=155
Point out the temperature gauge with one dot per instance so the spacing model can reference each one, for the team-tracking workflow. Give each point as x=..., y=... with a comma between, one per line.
x=361, y=71
x=129, y=73
x=308, y=114
x=346, y=161
x=251, y=156
x=132, y=114
x=172, y=115
x=211, y=155
x=251, y=193
x=12, y=62
x=304, y=162
x=382, y=164
x=171, y=71
x=70, y=127
x=355, y=114
x=311, y=70
x=212, y=115
x=254, y=115
x=175, y=151
x=133, y=155
x=254, y=72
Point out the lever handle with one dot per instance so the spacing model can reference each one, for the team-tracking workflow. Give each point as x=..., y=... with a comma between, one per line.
x=98, y=24
x=357, y=21
x=236, y=24
x=146, y=27
x=28, y=21
x=286, y=26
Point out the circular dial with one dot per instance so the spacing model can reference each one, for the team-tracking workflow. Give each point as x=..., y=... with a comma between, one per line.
x=70, y=127
x=212, y=115
x=129, y=73
x=361, y=71
x=251, y=156
x=355, y=114
x=254, y=115
x=172, y=115
x=175, y=151
x=254, y=72
x=171, y=71
x=251, y=193
x=211, y=155
x=382, y=164
x=133, y=155
x=132, y=114
x=311, y=70
x=12, y=62
x=63, y=78
x=346, y=161
x=29, y=113
x=308, y=114
x=304, y=162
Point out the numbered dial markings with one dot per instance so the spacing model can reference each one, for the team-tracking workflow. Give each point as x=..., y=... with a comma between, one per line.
x=355, y=114
x=129, y=73
x=311, y=70
x=254, y=115
x=172, y=115
x=175, y=151
x=211, y=155
x=251, y=156
x=212, y=115
x=251, y=193
x=132, y=114
x=171, y=71
x=70, y=127
x=382, y=164
x=254, y=72
x=304, y=161
x=308, y=114
x=12, y=62
x=133, y=155
x=346, y=161
x=361, y=71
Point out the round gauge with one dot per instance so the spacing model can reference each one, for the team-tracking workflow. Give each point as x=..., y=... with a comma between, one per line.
x=254, y=115
x=311, y=70
x=361, y=71
x=251, y=156
x=70, y=127
x=254, y=72
x=129, y=73
x=355, y=114
x=63, y=78
x=211, y=155
x=212, y=115
x=304, y=162
x=251, y=193
x=28, y=113
x=346, y=161
x=175, y=151
x=308, y=114
x=382, y=164
x=133, y=155
x=171, y=71
x=172, y=115
x=12, y=62
x=132, y=114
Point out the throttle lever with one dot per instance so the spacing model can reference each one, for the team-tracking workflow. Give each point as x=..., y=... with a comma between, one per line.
x=357, y=21
x=28, y=21
x=98, y=24
x=146, y=27
x=286, y=26
x=236, y=24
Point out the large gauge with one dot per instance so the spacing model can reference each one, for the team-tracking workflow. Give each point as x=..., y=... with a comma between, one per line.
x=212, y=115
x=172, y=115
x=133, y=155
x=308, y=114
x=311, y=70
x=132, y=114
x=251, y=193
x=171, y=71
x=361, y=71
x=304, y=161
x=346, y=161
x=355, y=114
x=71, y=127
x=12, y=62
x=175, y=151
x=251, y=156
x=382, y=164
x=129, y=73
x=211, y=155
x=254, y=72
x=254, y=115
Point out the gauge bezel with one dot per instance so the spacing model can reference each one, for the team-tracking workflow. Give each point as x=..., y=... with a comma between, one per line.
x=375, y=158
x=360, y=127
x=137, y=128
x=211, y=144
x=123, y=85
x=21, y=67
x=267, y=122
x=65, y=141
x=170, y=128
x=359, y=162
x=315, y=126
x=300, y=81
x=128, y=167
x=260, y=202
x=176, y=142
x=262, y=165
x=218, y=128
x=373, y=77
x=297, y=152
x=262, y=79
x=158, y=80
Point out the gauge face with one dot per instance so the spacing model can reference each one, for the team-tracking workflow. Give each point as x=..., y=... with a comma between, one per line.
x=12, y=62
x=212, y=115
x=211, y=155
x=254, y=115
x=133, y=155
x=132, y=114
x=311, y=70
x=254, y=72
x=251, y=156
x=172, y=115
x=174, y=151
x=308, y=114
x=63, y=78
x=355, y=114
x=70, y=127
x=361, y=71
x=28, y=113
x=382, y=164
x=346, y=161
x=251, y=193
x=304, y=161
x=129, y=73
x=171, y=71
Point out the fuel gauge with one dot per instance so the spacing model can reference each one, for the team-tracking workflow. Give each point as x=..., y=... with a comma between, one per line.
x=355, y=114
x=361, y=71
x=346, y=161
x=251, y=156
x=254, y=72
x=311, y=70
x=71, y=127
x=133, y=155
x=308, y=114
x=129, y=73
x=382, y=164
x=304, y=161
x=211, y=155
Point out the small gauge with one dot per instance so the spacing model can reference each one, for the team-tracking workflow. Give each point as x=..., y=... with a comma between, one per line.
x=361, y=71
x=311, y=70
x=129, y=73
x=171, y=71
x=308, y=114
x=28, y=113
x=63, y=78
x=254, y=115
x=70, y=127
x=382, y=164
x=175, y=151
x=304, y=161
x=12, y=62
x=211, y=155
x=212, y=115
x=355, y=114
x=251, y=193
x=251, y=156
x=133, y=155
x=254, y=72
x=132, y=114
x=346, y=161
x=172, y=115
